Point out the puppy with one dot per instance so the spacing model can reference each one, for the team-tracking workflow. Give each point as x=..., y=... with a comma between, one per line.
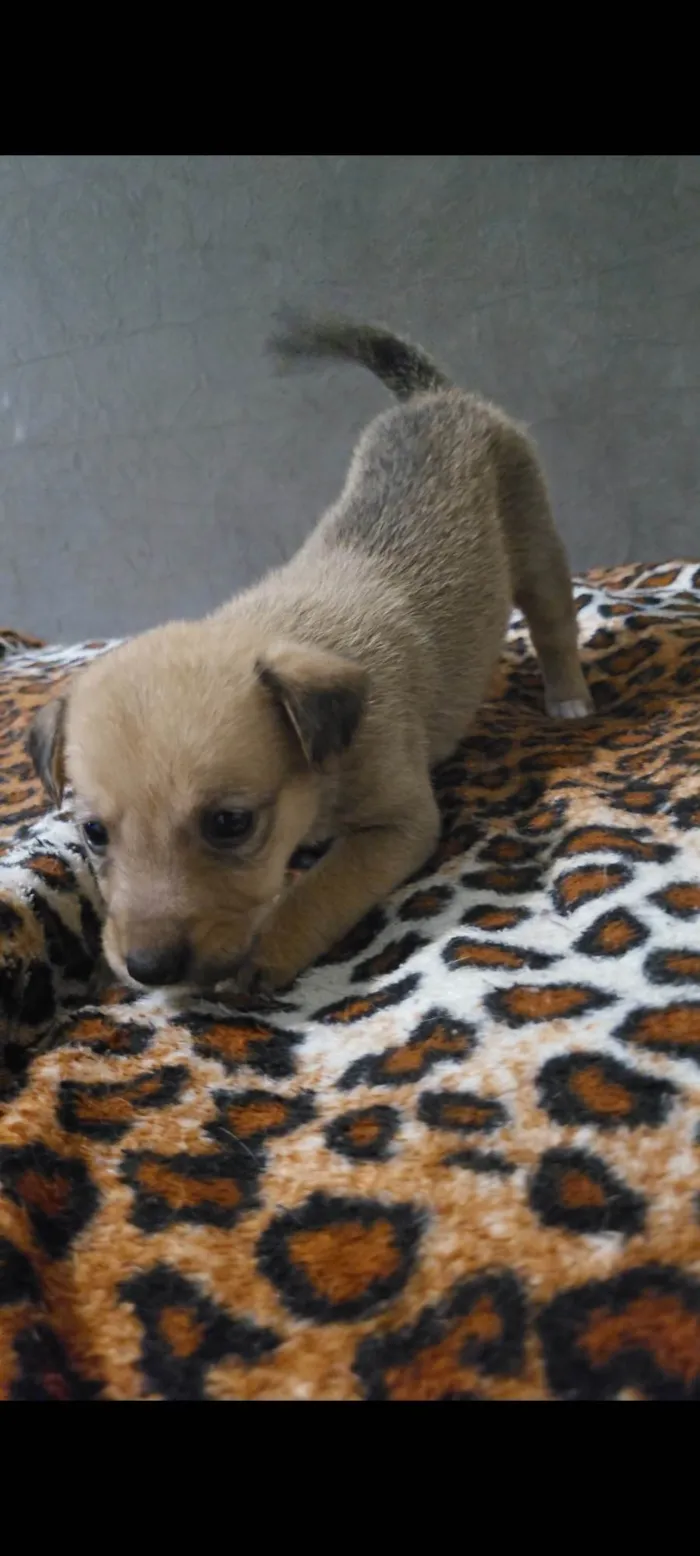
x=314, y=705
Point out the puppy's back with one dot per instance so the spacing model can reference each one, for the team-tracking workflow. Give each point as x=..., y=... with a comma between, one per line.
x=420, y=508
x=446, y=487
x=421, y=492
x=445, y=502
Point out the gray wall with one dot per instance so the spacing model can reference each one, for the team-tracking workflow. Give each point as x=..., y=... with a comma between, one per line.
x=151, y=462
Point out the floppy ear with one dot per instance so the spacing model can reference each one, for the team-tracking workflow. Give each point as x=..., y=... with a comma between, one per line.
x=320, y=695
x=45, y=746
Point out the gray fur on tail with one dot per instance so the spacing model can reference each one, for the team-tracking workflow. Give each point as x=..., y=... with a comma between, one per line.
x=405, y=369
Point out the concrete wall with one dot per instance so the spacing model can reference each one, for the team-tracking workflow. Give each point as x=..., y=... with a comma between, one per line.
x=151, y=462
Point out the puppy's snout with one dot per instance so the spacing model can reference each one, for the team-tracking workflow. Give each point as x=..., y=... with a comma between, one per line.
x=155, y=966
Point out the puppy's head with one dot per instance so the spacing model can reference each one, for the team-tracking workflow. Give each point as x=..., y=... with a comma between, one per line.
x=197, y=760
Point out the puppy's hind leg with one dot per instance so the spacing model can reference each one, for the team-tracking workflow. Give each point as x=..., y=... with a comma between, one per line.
x=546, y=600
x=542, y=580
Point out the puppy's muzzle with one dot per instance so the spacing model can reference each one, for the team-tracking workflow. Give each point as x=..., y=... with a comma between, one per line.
x=158, y=966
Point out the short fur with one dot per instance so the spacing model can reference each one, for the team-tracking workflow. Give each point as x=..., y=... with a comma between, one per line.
x=322, y=697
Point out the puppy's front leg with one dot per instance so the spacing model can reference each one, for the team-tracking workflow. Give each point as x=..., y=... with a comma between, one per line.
x=359, y=870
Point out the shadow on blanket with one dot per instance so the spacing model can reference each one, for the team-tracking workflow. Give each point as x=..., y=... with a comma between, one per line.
x=461, y=1161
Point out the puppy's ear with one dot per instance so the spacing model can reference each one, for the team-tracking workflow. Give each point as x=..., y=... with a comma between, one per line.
x=45, y=746
x=321, y=696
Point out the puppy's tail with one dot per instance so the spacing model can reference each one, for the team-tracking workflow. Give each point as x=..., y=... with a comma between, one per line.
x=405, y=369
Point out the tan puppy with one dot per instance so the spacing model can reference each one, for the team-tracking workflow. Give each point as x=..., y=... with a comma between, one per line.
x=315, y=704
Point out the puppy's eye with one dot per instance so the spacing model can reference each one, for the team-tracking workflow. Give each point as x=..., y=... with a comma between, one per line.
x=96, y=835
x=226, y=828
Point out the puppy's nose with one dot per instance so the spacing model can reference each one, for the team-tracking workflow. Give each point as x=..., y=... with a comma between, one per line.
x=159, y=965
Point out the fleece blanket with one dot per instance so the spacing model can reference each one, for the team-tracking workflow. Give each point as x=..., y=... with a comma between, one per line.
x=461, y=1160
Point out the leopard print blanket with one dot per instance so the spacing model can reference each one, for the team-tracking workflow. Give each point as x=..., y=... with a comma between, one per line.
x=461, y=1160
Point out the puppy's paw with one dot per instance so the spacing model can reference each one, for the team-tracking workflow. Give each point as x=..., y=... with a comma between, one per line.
x=254, y=988
x=277, y=959
x=259, y=986
x=268, y=982
x=252, y=994
x=574, y=708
